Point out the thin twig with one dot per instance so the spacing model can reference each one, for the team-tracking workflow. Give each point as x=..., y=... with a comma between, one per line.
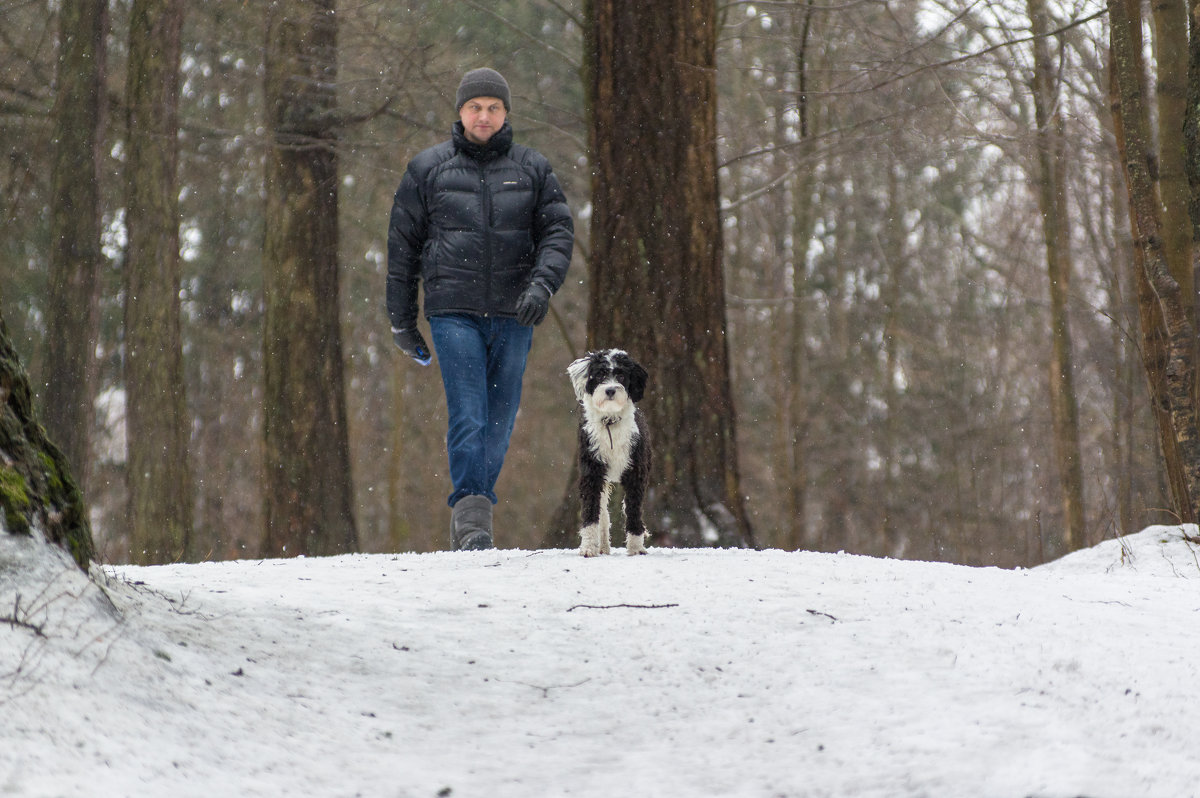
x=615, y=606
x=15, y=620
x=546, y=690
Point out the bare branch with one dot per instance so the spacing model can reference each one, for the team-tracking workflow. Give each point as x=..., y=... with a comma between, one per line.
x=521, y=31
x=615, y=606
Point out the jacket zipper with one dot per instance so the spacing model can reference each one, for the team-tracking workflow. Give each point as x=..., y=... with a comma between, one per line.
x=486, y=202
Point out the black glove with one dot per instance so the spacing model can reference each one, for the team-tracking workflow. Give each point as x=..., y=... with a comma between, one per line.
x=533, y=304
x=412, y=343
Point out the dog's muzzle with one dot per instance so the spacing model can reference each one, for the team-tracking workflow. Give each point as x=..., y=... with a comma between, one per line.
x=609, y=397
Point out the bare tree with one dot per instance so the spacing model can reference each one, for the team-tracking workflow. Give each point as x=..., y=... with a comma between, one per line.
x=1050, y=143
x=156, y=415
x=71, y=326
x=308, y=495
x=1167, y=313
x=657, y=287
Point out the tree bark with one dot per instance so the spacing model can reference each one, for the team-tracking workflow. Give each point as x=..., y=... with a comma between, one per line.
x=795, y=405
x=156, y=416
x=1171, y=78
x=308, y=496
x=656, y=283
x=75, y=257
x=1191, y=132
x=1051, y=171
x=1176, y=390
x=37, y=490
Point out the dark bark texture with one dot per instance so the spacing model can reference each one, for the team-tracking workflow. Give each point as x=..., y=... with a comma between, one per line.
x=156, y=416
x=308, y=494
x=1176, y=390
x=75, y=258
x=657, y=288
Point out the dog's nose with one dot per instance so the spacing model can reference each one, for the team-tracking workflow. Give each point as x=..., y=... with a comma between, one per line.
x=611, y=392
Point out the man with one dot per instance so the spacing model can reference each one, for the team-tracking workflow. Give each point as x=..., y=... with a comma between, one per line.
x=484, y=224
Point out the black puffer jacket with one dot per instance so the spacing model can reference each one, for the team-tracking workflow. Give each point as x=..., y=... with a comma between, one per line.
x=479, y=224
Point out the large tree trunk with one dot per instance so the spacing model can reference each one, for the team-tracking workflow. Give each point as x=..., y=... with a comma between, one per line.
x=656, y=282
x=308, y=496
x=1175, y=391
x=75, y=258
x=156, y=416
x=1051, y=178
x=37, y=490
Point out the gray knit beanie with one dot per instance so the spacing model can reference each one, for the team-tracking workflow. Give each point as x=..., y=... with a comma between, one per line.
x=483, y=83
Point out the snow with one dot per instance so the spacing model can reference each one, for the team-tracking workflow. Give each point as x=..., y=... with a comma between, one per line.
x=539, y=673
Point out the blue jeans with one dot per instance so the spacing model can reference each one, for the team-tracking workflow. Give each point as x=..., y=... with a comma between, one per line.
x=483, y=361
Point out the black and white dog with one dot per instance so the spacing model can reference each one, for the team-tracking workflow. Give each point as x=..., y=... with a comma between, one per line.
x=614, y=446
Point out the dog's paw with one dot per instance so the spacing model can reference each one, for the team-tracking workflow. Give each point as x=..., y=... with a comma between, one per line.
x=635, y=544
x=589, y=541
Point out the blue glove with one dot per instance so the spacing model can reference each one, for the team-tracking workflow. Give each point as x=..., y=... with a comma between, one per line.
x=533, y=304
x=412, y=343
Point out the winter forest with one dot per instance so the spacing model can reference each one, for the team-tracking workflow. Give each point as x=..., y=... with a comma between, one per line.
x=954, y=238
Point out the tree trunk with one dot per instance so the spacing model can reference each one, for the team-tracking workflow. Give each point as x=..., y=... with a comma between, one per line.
x=75, y=258
x=657, y=287
x=1176, y=390
x=156, y=415
x=37, y=490
x=891, y=534
x=1191, y=134
x=1051, y=180
x=1171, y=76
x=308, y=497
x=795, y=407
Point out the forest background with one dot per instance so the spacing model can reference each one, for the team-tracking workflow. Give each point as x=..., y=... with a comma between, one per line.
x=890, y=313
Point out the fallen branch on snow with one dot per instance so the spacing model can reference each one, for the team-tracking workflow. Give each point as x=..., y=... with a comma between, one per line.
x=615, y=606
x=16, y=620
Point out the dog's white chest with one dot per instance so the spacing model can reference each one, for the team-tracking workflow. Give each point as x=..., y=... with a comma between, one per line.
x=612, y=442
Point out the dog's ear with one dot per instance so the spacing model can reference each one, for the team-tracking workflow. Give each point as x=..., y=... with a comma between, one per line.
x=637, y=380
x=577, y=371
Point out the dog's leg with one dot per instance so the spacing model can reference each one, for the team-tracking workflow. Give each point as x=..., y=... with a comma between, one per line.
x=591, y=492
x=634, y=481
x=605, y=523
x=589, y=540
x=635, y=542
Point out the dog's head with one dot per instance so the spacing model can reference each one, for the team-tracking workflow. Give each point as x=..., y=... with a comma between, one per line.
x=607, y=380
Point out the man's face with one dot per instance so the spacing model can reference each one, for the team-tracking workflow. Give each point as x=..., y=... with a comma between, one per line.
x=482, y=117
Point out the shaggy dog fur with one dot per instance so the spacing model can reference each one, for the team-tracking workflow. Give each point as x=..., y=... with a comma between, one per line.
x=614, y=446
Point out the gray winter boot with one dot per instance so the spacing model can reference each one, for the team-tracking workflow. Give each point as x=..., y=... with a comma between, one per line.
x=471, y=524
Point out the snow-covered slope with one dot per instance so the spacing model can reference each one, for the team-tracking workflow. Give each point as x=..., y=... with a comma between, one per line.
x=539, y=673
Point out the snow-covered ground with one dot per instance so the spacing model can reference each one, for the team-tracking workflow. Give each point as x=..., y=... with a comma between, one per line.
x=539, y=673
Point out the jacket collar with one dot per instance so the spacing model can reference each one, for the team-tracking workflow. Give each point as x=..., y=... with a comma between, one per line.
x=496, y=146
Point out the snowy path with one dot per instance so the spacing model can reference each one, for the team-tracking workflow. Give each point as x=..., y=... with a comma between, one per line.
x=736, y=674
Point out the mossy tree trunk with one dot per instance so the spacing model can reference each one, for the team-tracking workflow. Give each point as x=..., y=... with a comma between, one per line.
x=657, y=287
x=36, y=486
x=156, y=416
x=308, y=489
x=75, y=258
